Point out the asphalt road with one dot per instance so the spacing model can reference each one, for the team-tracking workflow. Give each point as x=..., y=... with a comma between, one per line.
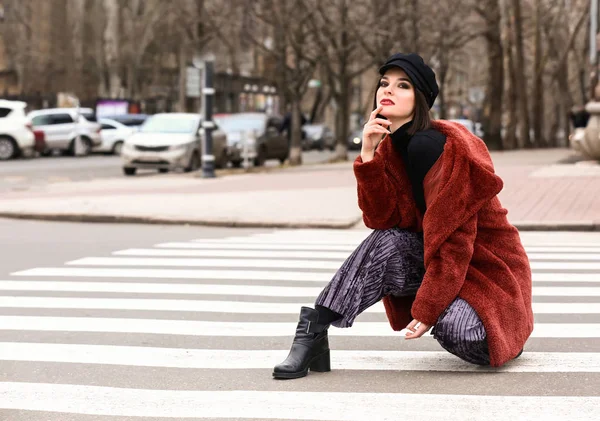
x=21, y=174
x=146, y=320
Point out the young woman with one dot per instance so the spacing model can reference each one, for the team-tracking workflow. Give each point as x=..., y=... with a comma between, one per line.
x=442, y=254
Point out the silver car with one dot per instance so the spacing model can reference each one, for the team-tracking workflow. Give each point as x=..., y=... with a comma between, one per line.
x=168, y=142
x=61, y=126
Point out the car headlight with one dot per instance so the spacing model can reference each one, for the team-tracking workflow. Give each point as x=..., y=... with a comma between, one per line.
x=356, y=140
x=179, y=147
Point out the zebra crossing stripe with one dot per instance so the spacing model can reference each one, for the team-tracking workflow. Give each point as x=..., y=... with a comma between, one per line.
x=255, y=246
x=254, y=275
x=322, y=255
x=529, y=362
x=307, y=293
x=189, y=262
x=265, y=254
x=262, y=405
x=234, y=307
x=279, y=264
x=243, y=329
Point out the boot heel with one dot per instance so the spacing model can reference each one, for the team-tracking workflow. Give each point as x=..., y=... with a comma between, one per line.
x=322, y=363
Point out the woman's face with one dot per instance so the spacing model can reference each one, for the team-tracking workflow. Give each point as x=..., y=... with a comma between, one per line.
x=397, y=95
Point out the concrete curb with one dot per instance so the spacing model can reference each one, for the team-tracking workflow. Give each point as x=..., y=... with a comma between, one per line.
x=115, y=219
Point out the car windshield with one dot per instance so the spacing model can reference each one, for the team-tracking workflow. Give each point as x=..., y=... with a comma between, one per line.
x=312, y=129
x=242, y=123
x=170, y=124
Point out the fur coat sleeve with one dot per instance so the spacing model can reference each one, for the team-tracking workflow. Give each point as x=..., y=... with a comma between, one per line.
x=384, y=193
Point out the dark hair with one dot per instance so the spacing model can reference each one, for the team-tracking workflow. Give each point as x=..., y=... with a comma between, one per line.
x=421, y=118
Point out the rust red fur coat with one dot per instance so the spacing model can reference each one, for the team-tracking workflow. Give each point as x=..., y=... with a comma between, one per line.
x=471, y=250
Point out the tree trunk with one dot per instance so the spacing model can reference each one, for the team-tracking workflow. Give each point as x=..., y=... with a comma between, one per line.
x=538, y=84
x=521, y=77
x=414, y=6
x=296, y=146
x=443, y=74
x=495, y=79
x=510, y=137
x=76, y=11
x=111, y=47
x=182, y=78
x=343, y=111
x=566, y=105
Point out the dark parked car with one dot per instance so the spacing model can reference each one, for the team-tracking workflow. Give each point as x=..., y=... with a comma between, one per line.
x=262, y=134
x=317, y=136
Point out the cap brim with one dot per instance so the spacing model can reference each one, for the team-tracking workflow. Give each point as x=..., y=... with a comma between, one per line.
x=387, y=67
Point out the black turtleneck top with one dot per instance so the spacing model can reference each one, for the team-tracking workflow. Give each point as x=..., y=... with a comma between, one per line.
x=419, y=152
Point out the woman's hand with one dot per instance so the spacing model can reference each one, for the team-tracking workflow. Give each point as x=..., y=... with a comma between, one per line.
x=373, y=131
x=416, y=329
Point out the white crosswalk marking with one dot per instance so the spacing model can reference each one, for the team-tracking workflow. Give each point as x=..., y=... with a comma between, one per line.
x=227, y=309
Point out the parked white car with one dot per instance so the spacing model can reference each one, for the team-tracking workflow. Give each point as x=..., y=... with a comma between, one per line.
x=16, y=135
x=170, y=141
x=61, y=126
x=113, y=135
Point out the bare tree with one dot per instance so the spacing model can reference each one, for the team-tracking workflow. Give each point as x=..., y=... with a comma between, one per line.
x=490, y=12
x=341, y=57
x=520, y=75
x=290, y=43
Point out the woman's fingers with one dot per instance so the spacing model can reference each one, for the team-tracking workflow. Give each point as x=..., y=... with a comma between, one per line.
x=381, y=121
x=378, y=129
x=375, y=112
x=417, y=329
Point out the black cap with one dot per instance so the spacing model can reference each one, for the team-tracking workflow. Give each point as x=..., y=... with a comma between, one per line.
x=421, y=75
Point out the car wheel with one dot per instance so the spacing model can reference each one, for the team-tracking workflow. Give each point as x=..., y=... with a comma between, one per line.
x=129, y=170
x=8, y=148
x=236, y=164
x=163, y=170
x=117, y=148
x=261, y=157
x=86, y=145
x=194, y=163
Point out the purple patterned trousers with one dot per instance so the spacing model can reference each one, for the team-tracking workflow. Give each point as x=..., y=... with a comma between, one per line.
x=390, y=262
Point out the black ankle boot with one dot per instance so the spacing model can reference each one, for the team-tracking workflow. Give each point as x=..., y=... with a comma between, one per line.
x=310, y=349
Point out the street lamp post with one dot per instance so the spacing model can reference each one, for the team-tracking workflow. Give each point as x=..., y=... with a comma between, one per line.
x=208, y=91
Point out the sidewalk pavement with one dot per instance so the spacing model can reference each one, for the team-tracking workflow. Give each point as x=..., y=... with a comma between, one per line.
x=540, y=193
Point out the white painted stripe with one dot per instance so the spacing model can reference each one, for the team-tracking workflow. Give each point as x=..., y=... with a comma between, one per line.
x=234, y=290
x=566, y=292
x=235, y=307
x=558, y=249
x=254, y=246
x=566, y=266
x=221, y=263
x=263, y=405
x=246, y=329
x=317, y=241
x=151, y=288
x=253, y=275
x=320, y=255
x=266, y=254
x=528, y=362
x=565, y=277
x=594, y=257
x=224, y=245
